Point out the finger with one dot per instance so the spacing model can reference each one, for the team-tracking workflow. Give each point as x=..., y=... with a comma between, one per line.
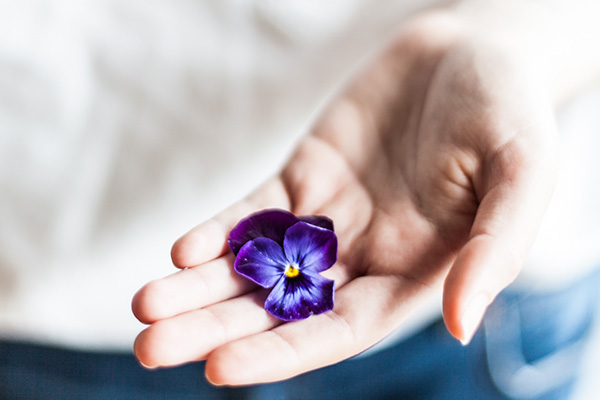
x=345, y=194
x=367, y=309
x=190, y=336
x=193, y=335
x=208, y=240
x=505, y=226
x=189, y=289
x=206, y=284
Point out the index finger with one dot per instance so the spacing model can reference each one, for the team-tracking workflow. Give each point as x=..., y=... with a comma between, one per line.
x=208, y=240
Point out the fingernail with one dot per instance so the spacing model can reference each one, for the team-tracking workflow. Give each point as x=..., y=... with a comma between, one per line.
x=473, y=315
x=147, y=366
x=213, y=383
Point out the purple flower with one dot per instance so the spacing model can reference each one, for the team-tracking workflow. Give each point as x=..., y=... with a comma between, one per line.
x=274, y=248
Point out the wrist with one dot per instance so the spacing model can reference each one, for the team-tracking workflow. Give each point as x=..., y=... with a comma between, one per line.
x=556, y=40
x=453, y=36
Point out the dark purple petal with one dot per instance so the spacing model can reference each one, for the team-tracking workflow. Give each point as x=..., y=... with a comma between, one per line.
x=270, y=223
x=262, y=261
x=311, y=247
x=298, y=298
x=318, y=220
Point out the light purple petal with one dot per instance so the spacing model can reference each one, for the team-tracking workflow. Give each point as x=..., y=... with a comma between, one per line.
x=318, y=220
x=270, y=223
x=298, y=298
x=311, y=247
x=262, y=261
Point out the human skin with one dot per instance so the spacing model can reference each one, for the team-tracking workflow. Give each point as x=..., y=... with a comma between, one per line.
x=436, y=164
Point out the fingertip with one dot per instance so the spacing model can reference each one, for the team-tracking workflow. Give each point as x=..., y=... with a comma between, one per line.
x=464, y=325
x=213, y=370
x=164, y=344
x=451, y=321
x=148, y=303
x=152, y=348
x=184, y=249
x=219, y=366
x=482, y=269
x=235, y=363
x=138, y=306
x=203, y=243
x=209, y=380
x=463, y=329
x=143, y=356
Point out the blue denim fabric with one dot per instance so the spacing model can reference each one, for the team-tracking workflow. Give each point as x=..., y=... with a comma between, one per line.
x=527, y=348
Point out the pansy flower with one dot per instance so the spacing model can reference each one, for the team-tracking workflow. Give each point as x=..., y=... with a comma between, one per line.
x=278, y=250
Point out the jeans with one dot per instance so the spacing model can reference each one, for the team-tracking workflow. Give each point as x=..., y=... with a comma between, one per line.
x=528, y=347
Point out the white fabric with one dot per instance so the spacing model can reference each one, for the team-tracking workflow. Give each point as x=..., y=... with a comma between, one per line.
x=124, y=124
x=568, y=244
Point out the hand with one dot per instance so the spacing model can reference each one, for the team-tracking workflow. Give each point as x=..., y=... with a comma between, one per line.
x=436, y=165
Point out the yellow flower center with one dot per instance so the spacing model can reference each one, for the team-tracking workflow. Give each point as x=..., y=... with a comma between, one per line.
x=292, y=271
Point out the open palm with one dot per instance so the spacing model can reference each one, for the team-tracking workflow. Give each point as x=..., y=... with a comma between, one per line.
x=435, y=164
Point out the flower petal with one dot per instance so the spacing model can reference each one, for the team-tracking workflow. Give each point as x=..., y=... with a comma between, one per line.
x=310, y=247
x=262, y=261
x=271, y=223
x=299, y=298
x=318, y=220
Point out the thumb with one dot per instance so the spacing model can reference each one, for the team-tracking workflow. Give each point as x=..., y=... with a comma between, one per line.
x=516, y=193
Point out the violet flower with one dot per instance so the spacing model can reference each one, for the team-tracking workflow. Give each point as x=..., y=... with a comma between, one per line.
x=276, y=249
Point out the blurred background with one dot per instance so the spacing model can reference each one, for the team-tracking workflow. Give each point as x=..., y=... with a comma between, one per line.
x=124, y=124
